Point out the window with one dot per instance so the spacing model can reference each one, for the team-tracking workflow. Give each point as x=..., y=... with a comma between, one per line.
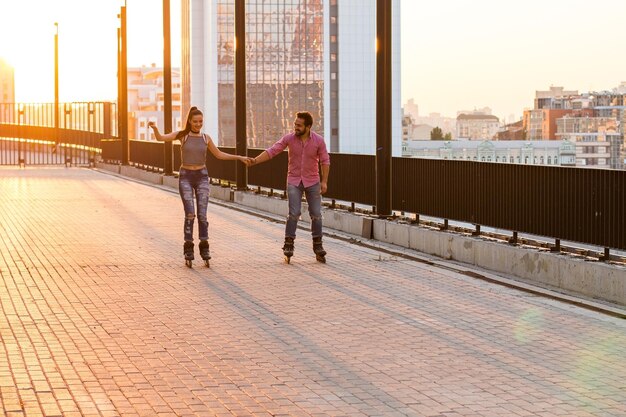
x=550, y=160
x=333, y=57
x=333, y=38
x=333, y=75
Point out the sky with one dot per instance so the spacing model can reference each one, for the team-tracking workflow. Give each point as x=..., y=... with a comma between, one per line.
x=455, y=54
x=461, y=55
x=87, y=44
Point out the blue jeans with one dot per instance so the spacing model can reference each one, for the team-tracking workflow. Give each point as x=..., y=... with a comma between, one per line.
x=313, y=199
x=193, y=186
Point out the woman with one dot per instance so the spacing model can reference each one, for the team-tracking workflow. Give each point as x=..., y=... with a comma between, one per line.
x=193, y=181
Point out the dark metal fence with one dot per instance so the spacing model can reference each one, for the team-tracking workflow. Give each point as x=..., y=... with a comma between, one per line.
x=574, y=204
x=28, y=134
x=38, y=152
x=581, y=205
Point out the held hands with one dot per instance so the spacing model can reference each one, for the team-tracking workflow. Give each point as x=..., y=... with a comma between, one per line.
x=248, y=161
x=152, y=125
x=323, y=187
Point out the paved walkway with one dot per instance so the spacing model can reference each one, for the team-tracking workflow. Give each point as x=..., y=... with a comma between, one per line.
x=100, y=317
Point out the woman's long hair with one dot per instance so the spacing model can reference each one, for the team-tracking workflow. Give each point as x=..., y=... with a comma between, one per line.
x=192, y=112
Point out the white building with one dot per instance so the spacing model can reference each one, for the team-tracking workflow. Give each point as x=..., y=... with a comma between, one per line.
x=477, y=126
x=146, y=101
x=446, y=124
x=545, y=152
x=317, y=56
x=552, y=97
x=598, y=140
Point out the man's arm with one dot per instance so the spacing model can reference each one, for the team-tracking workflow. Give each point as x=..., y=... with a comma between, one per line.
x=269, y=153
x=324, y=180
x=324, y=158
x=261, y=158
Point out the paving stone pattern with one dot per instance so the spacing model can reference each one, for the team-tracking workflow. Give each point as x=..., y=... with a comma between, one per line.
x=100, y=317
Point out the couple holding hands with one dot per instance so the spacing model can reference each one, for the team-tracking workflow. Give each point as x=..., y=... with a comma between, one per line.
x=307, y=152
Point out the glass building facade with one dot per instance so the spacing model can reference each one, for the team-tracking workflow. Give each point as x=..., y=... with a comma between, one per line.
x=284, y=67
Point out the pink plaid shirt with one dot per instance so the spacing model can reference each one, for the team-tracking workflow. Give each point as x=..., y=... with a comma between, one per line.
x=304, y=158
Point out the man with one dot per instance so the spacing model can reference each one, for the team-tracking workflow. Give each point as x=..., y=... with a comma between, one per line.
x=307, y=151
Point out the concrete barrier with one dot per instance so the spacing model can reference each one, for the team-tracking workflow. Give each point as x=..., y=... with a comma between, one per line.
x=564, y=272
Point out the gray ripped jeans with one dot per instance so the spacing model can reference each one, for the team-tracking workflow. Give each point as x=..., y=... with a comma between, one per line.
x=193, y=186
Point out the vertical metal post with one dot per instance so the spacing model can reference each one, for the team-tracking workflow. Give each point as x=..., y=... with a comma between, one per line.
x=240, y=91
x=106, y=120
x=56, y=84
x=118, y=117
x=123, y=98
x=167, y=88
x=383, y=107
x=185, y=65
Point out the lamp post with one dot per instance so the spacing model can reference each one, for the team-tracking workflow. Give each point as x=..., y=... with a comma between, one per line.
x=122, y=98
x=56, y=85
x=167, y=88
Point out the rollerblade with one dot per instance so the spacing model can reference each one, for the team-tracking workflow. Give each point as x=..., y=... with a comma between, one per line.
x=204, y=251
x=188, y=251
x=320, y=253
x=288, y=249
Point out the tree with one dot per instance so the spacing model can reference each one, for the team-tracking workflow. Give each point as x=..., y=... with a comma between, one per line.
x=436, y=134
x=447, y=136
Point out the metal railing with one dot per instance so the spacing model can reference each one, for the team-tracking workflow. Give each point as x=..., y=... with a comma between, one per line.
x=561, y=203
x=28, y=134
x=574, y=204
x=96, y=117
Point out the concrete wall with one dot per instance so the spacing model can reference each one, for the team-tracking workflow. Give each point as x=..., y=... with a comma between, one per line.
x=561, y=271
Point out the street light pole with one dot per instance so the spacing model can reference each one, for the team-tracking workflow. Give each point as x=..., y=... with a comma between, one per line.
x=123, y=98
x=56, y=84
x=167, y=88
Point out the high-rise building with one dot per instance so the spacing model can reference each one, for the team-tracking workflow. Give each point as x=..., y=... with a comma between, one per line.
x=312, y=55
x=7, y=82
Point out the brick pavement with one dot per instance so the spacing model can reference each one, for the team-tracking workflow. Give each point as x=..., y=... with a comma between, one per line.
x=100, y=317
